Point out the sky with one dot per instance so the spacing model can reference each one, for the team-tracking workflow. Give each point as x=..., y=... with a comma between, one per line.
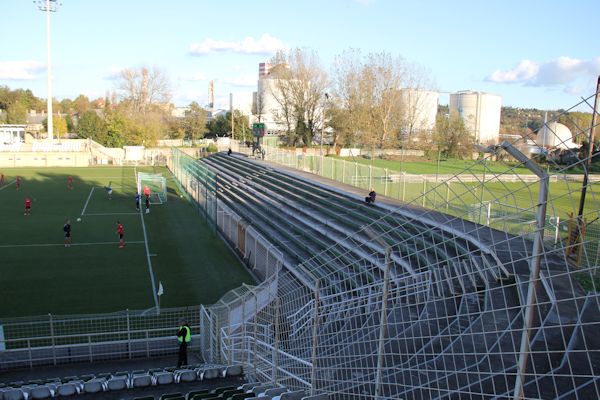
x=534, y=53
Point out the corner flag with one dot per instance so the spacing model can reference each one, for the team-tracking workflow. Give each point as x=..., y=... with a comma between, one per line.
x=160, y=289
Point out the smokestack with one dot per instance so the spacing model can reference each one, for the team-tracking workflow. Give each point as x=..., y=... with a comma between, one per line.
x=211, y=94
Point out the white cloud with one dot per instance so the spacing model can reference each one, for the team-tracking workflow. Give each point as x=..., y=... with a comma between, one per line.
x=21, y=70
x=244, y=81
x=265, y=45
x=559, y=72
x=522, y=72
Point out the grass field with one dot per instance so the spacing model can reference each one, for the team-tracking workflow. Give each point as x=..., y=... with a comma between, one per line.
x=430, y=167
x=38, y=275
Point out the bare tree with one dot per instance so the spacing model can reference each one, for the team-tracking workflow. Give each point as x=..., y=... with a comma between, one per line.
x=143, y=88
x=369, y=90
x=143, y=111
x=299, y=86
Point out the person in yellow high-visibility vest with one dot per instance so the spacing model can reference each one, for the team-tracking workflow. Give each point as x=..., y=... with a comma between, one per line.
x=184, y=335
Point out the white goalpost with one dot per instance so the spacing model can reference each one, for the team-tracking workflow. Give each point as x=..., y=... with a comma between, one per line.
x=155, y=185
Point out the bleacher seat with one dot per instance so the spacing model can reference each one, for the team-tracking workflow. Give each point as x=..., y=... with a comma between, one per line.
x=163, y=377
x=191, y=394
x=233, y=370
x=260, y=389
x=316, y=397
x=275, y=391
x=228, y=393
x=210, y=373
x=66, y=389
x=94, y=385
x=41, y=392
x=14, y=394
x=170, y=395
x=243, y=396
x=185, y=375
x=117, y=383
x=296, y=395
x=141, y=380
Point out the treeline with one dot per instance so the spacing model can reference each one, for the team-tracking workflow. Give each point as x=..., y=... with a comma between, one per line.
x=139, y=112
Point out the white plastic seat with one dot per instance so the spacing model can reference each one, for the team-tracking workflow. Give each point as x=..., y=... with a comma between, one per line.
x=185, y=375
x=67, y=389
x=94, y=385
x=117, y=383
x=142, y=380
x=210, y=373
x=41, y=392
x=14, y=394
x=234, y=370
x=164, y=378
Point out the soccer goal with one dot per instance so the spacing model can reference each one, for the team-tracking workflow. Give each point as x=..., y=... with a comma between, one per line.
x=155, y=185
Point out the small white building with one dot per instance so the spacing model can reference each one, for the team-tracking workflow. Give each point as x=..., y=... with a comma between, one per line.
x=481, y=113
x=10, y=134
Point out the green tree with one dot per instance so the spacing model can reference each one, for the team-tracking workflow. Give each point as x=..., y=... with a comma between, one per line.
x=92, y=126
x=194, y=122
x=452, y=137
x=81, y=104
x=219, y=126
x=241, y=126
x=16, y=113
x=59, y=125
x=70, y=123
x=115, y=128
x=66, y=106
x=175, y=128
x=579, y=123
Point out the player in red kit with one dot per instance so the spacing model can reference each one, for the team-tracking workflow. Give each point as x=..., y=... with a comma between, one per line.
x=70, y=182
x=1, y=179
x=27, y=206
x=121, y=233
x=18, y=182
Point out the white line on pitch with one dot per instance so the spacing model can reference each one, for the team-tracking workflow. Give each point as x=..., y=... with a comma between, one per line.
x=7, y=246
x=123, y=213
x=7, y=185
x=88, y=200
x=148, y=255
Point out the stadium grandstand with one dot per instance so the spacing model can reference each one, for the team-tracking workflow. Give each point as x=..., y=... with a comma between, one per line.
x=480, y=285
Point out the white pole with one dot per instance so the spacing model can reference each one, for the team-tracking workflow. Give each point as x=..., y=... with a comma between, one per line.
x=50, y=122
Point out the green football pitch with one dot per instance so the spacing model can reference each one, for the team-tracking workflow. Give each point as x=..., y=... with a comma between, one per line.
x=172, y=245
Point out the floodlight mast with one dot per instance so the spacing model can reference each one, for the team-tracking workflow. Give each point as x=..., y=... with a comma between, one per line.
x=49, y=6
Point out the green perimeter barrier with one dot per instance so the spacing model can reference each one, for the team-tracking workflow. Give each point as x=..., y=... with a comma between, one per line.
x=197, y=183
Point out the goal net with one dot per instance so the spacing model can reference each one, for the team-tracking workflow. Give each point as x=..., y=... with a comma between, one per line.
x=154, y=185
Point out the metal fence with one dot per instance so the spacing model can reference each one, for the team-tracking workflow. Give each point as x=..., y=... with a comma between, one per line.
x=57, y=339
x=480, y=287
x=197, y=183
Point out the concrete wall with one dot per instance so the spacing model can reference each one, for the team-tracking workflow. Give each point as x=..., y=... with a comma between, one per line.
x=31, y=159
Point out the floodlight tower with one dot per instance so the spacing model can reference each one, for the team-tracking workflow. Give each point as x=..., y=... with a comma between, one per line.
x=49, y=6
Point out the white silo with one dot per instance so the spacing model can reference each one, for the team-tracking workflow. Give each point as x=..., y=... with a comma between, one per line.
x=555, y=135
x=480, y=112
x=419, y=109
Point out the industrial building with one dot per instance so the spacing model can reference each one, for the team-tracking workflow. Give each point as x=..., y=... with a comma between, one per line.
x=419, y=110
x=480, y=112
